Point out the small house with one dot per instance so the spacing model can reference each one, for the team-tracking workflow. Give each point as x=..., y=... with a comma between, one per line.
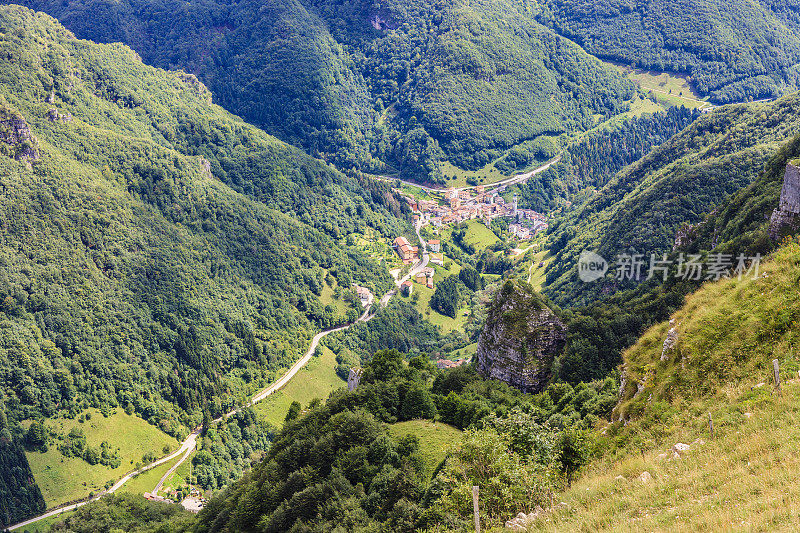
x=407, y=288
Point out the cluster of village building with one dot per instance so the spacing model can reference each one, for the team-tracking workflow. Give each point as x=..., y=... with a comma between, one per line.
x=462, y=205
x=193, y=502
x=444, y=364
x=484, y=205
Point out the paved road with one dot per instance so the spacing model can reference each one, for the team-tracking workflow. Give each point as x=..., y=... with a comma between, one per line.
x=189, y=444
x=519, y=178
x=186, y=447
x=174, y=467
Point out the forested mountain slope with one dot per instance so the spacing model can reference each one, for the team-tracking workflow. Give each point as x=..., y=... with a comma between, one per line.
x=642, y=208
x=594, y=160
x=132, y=274
x=409, y=82
x=734, y=51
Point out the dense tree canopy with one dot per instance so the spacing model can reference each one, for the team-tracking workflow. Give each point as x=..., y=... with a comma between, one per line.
x=399, y=85
x=592, y=162
x=734, y=51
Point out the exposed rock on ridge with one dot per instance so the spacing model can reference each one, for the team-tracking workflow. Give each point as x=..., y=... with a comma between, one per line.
x=786, y=214
x=520, y=339
x=16, y=139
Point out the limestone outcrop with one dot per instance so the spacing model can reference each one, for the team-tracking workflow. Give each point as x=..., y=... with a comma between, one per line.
x=786, y=214
x=521, y=338
x=16, y=139
x=54, y=116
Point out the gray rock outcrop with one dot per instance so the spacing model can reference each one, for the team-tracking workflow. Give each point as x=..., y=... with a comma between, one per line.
x=16, y=139
x=786, y=214
x=669, y=342
x=520, y=340
x=54, y=116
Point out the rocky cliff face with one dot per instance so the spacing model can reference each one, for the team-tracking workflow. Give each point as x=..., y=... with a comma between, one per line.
x=520, y=339
x=16, y=139
x=786, y=214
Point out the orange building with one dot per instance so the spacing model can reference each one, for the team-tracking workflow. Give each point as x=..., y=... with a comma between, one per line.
x=404, y=249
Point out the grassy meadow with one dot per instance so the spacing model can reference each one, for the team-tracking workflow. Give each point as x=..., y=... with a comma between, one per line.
x=744, y=480
x=668, y=88
x=63, y=479
x=457, y=177
x=327, y=298
x=536, y=274
x=434, y=439
x=445, y=323
x=477, y=234
x=315, y=380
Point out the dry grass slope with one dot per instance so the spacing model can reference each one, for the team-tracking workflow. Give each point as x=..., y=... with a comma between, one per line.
x=747, y=478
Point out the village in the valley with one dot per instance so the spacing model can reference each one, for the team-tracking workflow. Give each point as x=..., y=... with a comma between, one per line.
x=461, y=205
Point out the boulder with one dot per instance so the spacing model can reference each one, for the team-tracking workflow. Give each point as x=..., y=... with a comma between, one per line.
x=16, y=139
x=786, y=214
x=645, y=477
x=669, y=342
x=681, y=448
x=520, y=339
x=514, y=525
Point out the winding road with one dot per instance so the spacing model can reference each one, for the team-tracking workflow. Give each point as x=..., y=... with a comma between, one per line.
x=519, y=178
x=190, y=443
x=186, y=447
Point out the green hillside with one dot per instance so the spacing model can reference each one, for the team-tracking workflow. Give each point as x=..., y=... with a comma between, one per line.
x=733, y=51
x=396, y=86
x=644, y=205
x=159, y=255
x=728, y=334
x=627, y=473
x=434, y=440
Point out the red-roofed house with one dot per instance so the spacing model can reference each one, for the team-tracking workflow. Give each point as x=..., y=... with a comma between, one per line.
x=407, y=288
x=404, y=249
